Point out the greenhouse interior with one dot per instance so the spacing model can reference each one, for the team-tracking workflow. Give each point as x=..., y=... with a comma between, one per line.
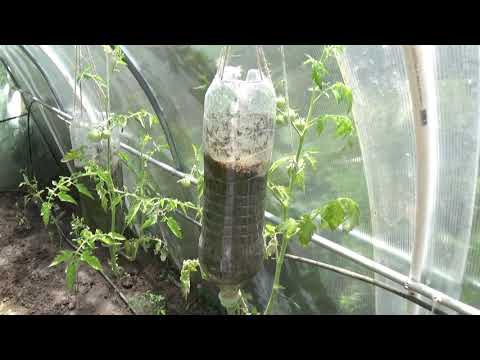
x=239, y=179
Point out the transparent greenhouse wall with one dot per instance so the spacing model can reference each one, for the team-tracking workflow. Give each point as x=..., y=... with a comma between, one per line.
x=457, y=86
x=14, y=150
x=180, y=75
x=384, y=119
x=377, y=168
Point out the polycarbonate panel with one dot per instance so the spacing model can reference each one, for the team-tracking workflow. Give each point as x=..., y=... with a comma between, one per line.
x=384, y=119
x=30, y=79
x=43, y=162
x=457, y=86
x=179, y=76
x=377, y=169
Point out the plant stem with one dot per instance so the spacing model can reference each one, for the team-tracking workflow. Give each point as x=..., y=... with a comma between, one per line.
x=286, y=207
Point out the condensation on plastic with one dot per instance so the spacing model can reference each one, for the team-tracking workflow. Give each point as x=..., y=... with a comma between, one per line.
x=384, y=120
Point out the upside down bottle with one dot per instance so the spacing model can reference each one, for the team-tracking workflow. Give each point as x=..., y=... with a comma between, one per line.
x=238, y=133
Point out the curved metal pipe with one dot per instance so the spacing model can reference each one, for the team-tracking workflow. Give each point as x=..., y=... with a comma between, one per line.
x=16, y=84
x=44, y=75
x=157, y=107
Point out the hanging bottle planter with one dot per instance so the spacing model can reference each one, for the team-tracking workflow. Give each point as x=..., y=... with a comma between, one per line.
x=238, y=133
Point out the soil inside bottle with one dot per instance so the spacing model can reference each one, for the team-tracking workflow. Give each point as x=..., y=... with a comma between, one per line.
x=231, y=246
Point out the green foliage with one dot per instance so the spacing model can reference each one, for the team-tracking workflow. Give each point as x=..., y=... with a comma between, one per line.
x=189, y=266
x=339, y=214
x=95, y=181
x=150, y=303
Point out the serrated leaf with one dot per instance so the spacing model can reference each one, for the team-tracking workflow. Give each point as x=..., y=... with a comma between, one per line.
x=64, y=256
x=132, y=213
x=72, y=155
x=319, y=71
x=307, y=228
x=289, y=228
x=277, y=163
x=102, y=195
x=332, y=215
x=92, y=261
x=188, y=267
x=63, y=196
x=82, y=189
x=45, y=212
x=174, y=227
x=352, y=213
x=343, y=93
x=117, y=236
x=151, y=220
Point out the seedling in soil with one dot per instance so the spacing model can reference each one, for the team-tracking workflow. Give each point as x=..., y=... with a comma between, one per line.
x=95, y=180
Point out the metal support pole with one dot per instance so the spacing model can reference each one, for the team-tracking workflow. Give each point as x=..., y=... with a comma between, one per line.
x=157, y=107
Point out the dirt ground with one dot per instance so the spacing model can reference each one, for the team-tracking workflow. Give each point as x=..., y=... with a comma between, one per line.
x=29, y=286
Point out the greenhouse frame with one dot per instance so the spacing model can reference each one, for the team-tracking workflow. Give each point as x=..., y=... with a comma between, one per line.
x=410, y=162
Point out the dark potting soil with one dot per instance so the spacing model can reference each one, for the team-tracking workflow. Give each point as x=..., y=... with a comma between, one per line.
x=29, y=286
x=231, y=244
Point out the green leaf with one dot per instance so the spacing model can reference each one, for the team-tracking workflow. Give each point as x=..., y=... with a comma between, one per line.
x=186, y=181
x=133, y=212
x=319, y=71
x=277, y=163
x=66, y=198
x=289, y=228
x=82, y=189
x=320, y=124
x=310, y=159
x=64, y=256
x=151, y=220
x=174, y=227
x=102, y=194
x=343, y=93
x=299, y=179
x=344, y=126
x=95, y=135
x=117, y=236
x=124, y=157
x=71, y=273
x=332, y=215
x=352, y=213
x=188, y=267
x=92, y=261
x=72, y=155
x=45, y=212
x=307, y=228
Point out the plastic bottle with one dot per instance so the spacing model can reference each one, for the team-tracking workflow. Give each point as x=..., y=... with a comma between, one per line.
x=238, y=135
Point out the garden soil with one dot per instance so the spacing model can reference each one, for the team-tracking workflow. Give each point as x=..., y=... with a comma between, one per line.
x=29, y=286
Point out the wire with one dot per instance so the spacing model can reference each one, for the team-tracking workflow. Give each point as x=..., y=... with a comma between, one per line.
x=12, y=118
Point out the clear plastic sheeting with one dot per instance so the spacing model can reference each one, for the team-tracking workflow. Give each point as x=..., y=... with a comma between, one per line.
x=457, y=88
x=384, y=120
x=377, y=168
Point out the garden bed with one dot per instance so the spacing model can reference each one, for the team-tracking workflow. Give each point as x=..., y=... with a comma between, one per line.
x=29, y=286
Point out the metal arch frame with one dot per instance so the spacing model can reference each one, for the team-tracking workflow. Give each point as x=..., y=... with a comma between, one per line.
x=144, y=85
x=44, y=75
x=340, y=250
x=29, y=106
x=157, y=107
x=403, y=280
